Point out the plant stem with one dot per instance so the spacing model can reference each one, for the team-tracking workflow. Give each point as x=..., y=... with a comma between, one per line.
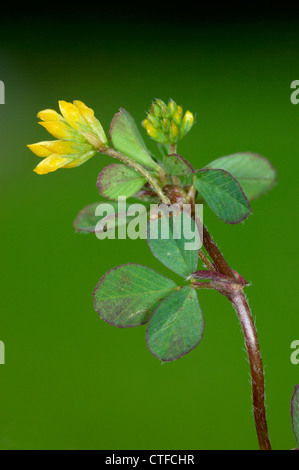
x=172, y=148
x=239, y=302
x=191, y=194
x=215, y=254
x=206, y=261
x=152, y=181
x=241, y=306
x=236, y=297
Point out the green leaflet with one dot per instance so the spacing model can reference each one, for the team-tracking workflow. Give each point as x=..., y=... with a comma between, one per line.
x=86, y=220
x=175, y=165
x=223, y=194
x=295, y=413
x=255, y=173
x=119, y=180
x=176, y=326
x=127, y=294
x=126, y=138
x=168, y=242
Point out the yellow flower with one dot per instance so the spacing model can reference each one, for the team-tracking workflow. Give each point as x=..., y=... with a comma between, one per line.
x=80, y=135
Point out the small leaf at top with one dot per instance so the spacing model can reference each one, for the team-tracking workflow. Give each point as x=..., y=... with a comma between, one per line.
x=176, y=165
x=174, y=239
x=126, y=138
x=176, y=326
x=255, y=173
x=119, y=180
x=223, y=194
x=127, y=294
x=295, y=413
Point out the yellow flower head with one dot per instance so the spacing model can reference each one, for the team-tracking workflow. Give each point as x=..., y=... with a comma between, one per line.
x=166, y=123
x=79, y=136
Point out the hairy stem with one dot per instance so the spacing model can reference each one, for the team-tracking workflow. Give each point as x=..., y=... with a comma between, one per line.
x=241, y=306
x=139, y=168
x=215, y=254
x=239, y=302
x=191, y=194
x=206, y=261
x=236, y=297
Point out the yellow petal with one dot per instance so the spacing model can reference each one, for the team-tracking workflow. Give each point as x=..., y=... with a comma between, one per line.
x=72, y=115
x=84, y=110
x=177, y=116
x=40, y=149
x=88, y=115
x=49, y=115
x=187, y=123
x=66, y=147
x=80, y=159
x=61, y=130
x=150, y=129
x=188, y=118
x=174, y=131
x=180, y=110
x=51, y=163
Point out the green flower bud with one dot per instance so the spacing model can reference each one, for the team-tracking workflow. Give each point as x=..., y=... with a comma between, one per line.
x=177, y=116
x=166, y=123
x=187, y=123
x=172, y=106
x=174, y=133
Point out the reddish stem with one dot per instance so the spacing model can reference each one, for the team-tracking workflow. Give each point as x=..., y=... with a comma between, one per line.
x=240, y=304
x=215, y=254
x=234, y=292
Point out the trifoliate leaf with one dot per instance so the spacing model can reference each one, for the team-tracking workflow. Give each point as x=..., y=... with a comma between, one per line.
x=223, y=194
x=127, y=294
x=174, y=239
x=176, y=326
x=255, y=173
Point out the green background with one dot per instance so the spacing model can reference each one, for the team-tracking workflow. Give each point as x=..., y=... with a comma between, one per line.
x=71, y=381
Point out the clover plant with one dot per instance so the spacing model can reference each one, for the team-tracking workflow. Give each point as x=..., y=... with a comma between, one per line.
x=132, y=294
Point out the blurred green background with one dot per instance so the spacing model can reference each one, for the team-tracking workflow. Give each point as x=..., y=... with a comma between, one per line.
x=71, y=381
